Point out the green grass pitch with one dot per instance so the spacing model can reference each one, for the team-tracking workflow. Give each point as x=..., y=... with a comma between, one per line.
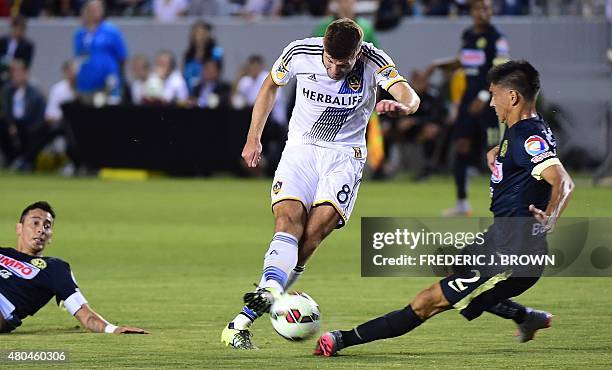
x=175, y=256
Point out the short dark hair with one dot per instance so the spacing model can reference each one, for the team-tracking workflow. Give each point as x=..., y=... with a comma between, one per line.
x=517, y=75
x=41, y=204
x=342, y=38
x=255, y=58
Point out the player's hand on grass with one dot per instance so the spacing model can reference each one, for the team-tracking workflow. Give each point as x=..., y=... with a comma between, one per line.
x=548, y=221
x=129, y=330
x=491, y=154
x=392, y=108
x=252, y=153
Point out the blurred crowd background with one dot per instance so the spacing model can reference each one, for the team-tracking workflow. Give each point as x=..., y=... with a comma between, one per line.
x=103, y=69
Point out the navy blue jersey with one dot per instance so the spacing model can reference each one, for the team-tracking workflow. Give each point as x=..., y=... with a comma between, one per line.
x=27, y=283
x=527, y=149
x=479, y=52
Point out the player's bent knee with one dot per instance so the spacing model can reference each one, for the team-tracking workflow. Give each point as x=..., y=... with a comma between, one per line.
x=429, y=302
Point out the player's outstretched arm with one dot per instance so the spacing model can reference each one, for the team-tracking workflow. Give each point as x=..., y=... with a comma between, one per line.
x=91, y=320
x=406, y=101
x=562, y=188
x=251, y=153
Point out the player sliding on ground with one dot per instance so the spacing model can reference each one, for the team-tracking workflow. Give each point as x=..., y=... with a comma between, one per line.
x=316, y=182
x=28, y=280
x=530, y=188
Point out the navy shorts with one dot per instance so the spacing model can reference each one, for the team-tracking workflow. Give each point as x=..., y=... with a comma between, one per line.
x=472, y=289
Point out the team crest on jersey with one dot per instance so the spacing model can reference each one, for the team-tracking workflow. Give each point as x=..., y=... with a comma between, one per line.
x=353, y=83
x=281, y=71
x=481, y=43
x=535, y=145
x=22, y=269
x=277, y=187
x=504, y=149
x=39, y=262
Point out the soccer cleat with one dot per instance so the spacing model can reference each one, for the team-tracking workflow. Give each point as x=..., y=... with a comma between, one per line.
x=260, y=300
x=534, y=321
x=329, y=344
x=456, y=212
x=238, y=339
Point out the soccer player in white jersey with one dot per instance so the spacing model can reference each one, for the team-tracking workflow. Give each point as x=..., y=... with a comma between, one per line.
x=316, y=182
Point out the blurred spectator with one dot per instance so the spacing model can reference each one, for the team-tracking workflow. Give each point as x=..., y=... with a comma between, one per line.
x=29, y=8
x=100, y=47
x=437, y=7
x=250, y=80
x=140, y=73
x=202, y=46
x=166, y=85
x=275, y=132
x=127, y=7
x=15, y=46
x=209, y=7
x=54, y=130
x=390, y=13
x=248, y=85
x=61, y=92
x=345, y=9
x=169, y=10
x=212, y=92
x=514, y=7
x=423, y=127
x=257, y=8
x=293, y=7
x=23, y=108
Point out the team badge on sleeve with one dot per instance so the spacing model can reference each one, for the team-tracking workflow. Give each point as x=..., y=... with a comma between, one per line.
x=281, y=71
x=535, y=145
x=277, y=187
x=389, y=72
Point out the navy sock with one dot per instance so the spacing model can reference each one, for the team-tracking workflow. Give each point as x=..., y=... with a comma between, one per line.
x=391, y=325
x=460, y=173
x=509, y=309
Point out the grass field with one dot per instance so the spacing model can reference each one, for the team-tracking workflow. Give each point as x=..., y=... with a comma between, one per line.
x=175, y=256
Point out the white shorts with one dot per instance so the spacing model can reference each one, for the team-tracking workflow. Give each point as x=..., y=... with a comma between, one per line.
x=316, y=175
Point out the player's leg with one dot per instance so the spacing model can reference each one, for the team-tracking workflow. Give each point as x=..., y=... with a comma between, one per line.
x=293, y=189
x=322, y=220
x=334, y=200
x=463, y=132
x=527, y=319
x=426, y=304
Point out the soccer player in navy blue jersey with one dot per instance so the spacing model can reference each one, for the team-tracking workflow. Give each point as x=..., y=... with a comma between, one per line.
x=28, y=280
x=475, y=128
x=530, y=189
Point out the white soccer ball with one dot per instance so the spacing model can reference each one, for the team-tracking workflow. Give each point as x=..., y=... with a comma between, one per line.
x=295, y=316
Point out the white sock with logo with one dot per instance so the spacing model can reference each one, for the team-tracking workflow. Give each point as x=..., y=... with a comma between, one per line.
x=279, y=261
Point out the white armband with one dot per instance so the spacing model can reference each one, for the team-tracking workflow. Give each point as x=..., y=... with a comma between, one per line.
x=110, y=328
x=74, y=302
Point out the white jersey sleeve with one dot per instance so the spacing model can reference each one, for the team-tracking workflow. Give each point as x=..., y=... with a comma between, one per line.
x=386, y=73
x=282, y=70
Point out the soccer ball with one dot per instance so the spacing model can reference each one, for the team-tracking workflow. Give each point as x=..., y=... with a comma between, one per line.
x=295, y=316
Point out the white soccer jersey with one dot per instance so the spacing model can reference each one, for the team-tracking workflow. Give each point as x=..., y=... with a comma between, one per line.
x=327, y=112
